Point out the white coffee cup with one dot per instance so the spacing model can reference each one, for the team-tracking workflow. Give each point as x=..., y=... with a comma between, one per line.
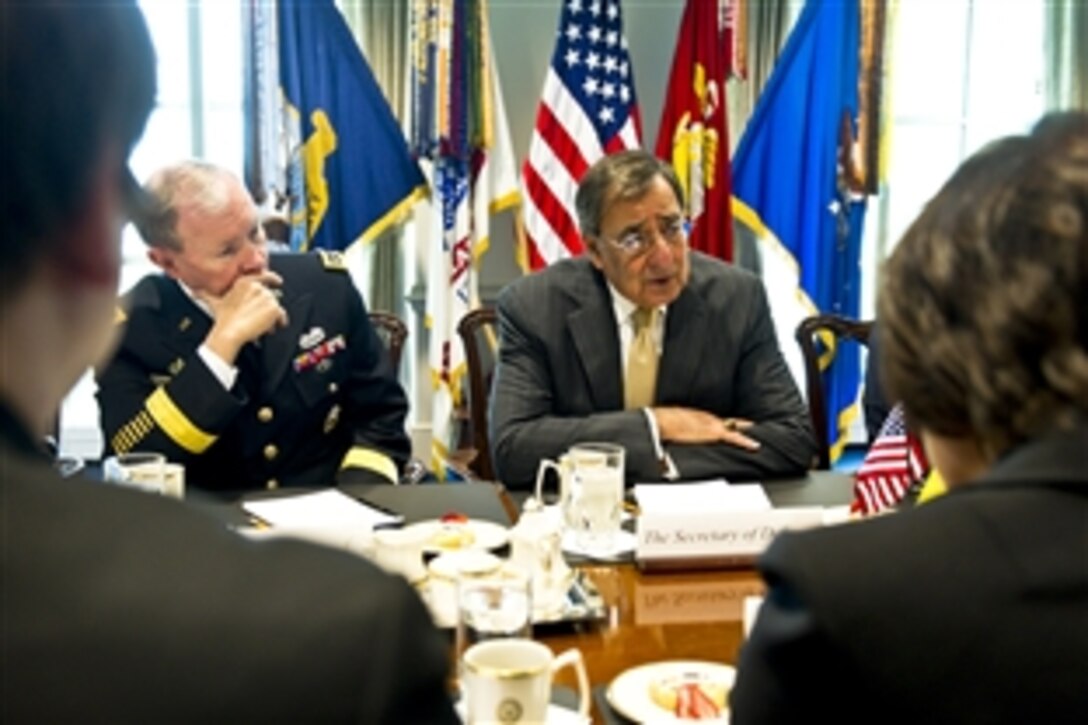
x=400, y=551
x=147, y=471
x=510, y=680
x=173, y=480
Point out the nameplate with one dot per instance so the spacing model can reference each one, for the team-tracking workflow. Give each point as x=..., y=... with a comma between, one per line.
x=672, y=540
x=662, y=601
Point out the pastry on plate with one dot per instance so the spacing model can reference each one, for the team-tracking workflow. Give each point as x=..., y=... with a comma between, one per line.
x=453, y=532
x=690, y=695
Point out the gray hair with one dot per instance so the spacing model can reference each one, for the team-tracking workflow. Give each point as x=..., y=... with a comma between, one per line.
x=621, y=176
x=190, y=183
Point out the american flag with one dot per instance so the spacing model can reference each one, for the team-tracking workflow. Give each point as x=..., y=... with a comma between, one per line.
x=893, y=464
x=587, y=110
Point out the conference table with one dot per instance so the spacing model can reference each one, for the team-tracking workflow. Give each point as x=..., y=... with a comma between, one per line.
x=648, y=616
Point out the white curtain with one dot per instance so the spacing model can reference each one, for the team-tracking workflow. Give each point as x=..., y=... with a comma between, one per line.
x=768, y=25
x=1066, y=47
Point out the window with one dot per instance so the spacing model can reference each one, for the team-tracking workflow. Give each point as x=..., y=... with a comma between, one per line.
x=199, y=114
x=963, y=72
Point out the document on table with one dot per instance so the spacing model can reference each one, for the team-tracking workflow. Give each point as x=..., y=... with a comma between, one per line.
x=329, y=508
x=703, y=497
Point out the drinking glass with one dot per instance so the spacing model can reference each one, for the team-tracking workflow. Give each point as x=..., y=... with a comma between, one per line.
x=493, y=606
x=595, y=506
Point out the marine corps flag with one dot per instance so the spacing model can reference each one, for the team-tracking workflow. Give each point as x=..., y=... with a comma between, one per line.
x=351, y=173
x=694, y=134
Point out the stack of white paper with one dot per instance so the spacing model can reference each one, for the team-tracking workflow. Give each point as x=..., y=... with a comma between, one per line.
x=325, y=509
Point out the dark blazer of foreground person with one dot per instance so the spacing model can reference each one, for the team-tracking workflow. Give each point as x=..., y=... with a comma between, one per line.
x=970, y=609
x=117, y=606
x=124, y=607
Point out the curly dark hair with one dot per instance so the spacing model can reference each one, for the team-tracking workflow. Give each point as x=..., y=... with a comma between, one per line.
x=984, y=307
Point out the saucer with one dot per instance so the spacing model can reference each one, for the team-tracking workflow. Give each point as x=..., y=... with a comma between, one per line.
x=471, y=562
x=557, y=715
x=623, y=543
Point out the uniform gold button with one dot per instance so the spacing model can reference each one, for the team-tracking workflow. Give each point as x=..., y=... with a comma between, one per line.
x=270, y=452
x=272, y=484
x=264, y=414
x=333, y=387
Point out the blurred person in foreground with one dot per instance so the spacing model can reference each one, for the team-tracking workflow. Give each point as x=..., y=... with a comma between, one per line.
x=974, y=606
x=643, y=342
x=255, y=371
x=119, y=606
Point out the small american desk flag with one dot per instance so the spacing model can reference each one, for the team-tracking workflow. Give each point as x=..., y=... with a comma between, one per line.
x=587, y=110
x=894, y=463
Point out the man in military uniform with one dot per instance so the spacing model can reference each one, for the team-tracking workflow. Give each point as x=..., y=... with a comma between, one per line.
x=253, y=371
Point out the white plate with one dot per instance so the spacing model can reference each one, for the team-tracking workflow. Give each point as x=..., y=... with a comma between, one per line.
x=485, y=535
x=556, y=715
x=629, y=693
x=471, y=561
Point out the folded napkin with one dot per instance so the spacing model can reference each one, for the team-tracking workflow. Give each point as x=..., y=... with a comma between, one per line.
x=703, y=497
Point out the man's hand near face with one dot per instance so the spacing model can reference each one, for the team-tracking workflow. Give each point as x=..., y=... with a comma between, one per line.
x=248, y=310
x=688, y=425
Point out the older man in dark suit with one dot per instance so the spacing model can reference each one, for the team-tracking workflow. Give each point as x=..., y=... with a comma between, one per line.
x=642, y=342
x=119, y=606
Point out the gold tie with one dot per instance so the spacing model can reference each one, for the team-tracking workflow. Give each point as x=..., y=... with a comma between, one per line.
x=641, y=361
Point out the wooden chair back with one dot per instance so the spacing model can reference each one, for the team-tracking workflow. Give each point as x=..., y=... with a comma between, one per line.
x=479, y=334
x=393, y=333
x=818, y=337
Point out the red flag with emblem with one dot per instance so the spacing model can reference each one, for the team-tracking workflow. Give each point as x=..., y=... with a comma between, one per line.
x=694, y=133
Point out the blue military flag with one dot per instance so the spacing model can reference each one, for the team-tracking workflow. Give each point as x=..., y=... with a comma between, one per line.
x=351, y=172
x=797, y=186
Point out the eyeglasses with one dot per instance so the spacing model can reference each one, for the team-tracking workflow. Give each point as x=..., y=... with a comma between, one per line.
x=637, y=242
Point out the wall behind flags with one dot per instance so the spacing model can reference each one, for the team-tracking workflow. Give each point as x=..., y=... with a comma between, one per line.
x=968, y=70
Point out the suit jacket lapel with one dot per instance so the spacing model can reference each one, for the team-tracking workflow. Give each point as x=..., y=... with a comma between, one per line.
x=593, y=329
x=686, y=330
